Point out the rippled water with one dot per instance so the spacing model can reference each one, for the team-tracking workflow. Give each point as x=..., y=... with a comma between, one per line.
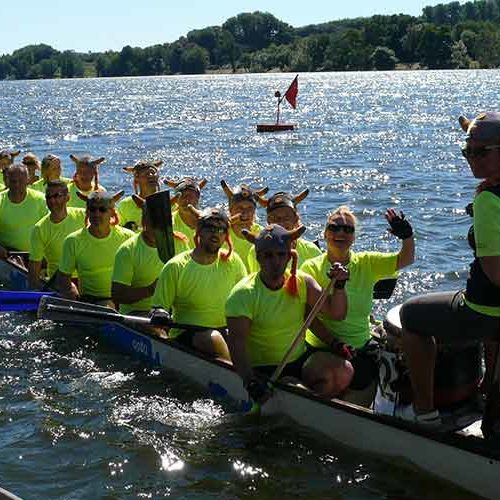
x=78, y=421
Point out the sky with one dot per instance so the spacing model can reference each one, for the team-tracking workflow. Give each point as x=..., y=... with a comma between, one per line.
x=99, y=25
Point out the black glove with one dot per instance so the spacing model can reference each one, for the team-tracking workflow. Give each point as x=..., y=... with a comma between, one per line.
x=469, y=210
x=343, y=350
x=160, y=317
x=400, y=227
x=258, y=390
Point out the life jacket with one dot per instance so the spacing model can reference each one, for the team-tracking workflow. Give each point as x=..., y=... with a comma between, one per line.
x=480, y=290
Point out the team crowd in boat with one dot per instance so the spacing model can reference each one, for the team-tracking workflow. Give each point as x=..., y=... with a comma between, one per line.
x=240, y=291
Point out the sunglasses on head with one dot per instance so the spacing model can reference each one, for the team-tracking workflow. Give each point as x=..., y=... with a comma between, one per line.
x=100, y=209
x=336, y=228
x=215, y=229
x=478, y=152
x=55, y=195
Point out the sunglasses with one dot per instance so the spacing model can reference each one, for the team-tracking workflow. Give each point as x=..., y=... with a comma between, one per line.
x=55, y=195
x=479, y=152
x=215, y=229
x=100, y=209
x=336, y=228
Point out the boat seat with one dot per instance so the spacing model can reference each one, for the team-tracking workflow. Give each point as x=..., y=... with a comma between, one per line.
x=383, y=288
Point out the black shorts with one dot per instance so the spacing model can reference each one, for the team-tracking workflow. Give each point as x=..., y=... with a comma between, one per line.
x=446, y=316
x=293, y=369
x=186, y=337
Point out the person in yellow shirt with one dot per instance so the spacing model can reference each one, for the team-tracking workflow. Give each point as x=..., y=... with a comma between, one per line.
x=196, y=284
x=281, y=209
x=50, y=231
x=6, y=160
x=365, y=269
x=146, y=182
x=137, y=266
x=20, y=209
x=91, y=251
x=187, y=191
x=50, y=171
x=242, y=208
x=32, y=163
x=266, y=310
x=85, y=179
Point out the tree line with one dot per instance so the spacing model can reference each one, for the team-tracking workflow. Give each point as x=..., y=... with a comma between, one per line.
x=451, y=35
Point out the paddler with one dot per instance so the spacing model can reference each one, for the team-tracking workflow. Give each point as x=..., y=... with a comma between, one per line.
x=146, y=182
x=473, y=313
x=137, y=266
x=189, y=191
x=7, y=158
x=281, y=209
x=266, y=310
x=32, y=163
x=196, y=284
x=85, y=179
x=51, y=230
x=365, y=269
x=20, y=209
x=91, y=251
x=50, y=171
x=242, y=206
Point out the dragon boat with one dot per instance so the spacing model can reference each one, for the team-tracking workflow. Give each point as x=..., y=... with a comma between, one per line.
x=461, y=457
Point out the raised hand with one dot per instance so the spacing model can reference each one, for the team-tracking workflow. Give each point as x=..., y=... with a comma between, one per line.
x=400, y=227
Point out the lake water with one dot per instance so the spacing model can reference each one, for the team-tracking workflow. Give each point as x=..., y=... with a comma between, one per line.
x=78, y=421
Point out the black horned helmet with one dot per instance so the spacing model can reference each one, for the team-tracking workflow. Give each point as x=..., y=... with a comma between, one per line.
x=242, y=193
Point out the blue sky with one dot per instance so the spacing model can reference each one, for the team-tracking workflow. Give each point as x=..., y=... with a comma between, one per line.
x=99, y=25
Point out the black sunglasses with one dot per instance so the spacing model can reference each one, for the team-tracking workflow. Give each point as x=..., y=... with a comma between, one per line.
x=100, y=209
x=55, y=195
x=336, y=228
x=215, y=229
x=479, y=152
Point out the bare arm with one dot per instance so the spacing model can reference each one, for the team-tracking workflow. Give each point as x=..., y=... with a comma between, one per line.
x=321, y=331
x=335, y=304
x=491, y=267
x=239, y=330
x=66, y=287
x=406, y=255
x=125, y=294
x=34, y=270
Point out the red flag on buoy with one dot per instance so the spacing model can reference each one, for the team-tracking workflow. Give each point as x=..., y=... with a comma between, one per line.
x=291, y=93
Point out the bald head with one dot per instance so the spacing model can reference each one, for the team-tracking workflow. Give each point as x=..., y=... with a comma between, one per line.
x=16, y=177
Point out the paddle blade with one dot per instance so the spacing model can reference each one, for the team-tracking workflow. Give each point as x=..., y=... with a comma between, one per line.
x=160, y=215
x=18, y=301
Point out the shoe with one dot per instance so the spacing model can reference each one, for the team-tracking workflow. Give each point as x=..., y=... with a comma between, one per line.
x=430, y=420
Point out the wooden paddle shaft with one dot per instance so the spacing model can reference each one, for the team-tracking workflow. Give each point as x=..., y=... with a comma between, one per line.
x=300, y=334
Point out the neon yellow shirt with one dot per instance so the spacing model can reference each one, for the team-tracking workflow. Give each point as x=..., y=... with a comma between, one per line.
x=180, y=226
x=365, y=269
x=197, y=293
x=487, y=236
x=242, y=246
x=305, y=249
x=40, y=185
x=137, y=265
x=74, y=200
x=276, y=318
x=93, y=259
x=128, y=211
x=47, y=237
x=17, y=219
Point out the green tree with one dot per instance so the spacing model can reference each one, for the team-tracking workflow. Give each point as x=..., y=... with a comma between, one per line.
x=460, y=59
x=194, y=60
x=383, y=58
x=434, y=49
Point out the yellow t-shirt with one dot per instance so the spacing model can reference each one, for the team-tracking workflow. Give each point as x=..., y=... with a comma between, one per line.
x=17, y=219
x=74, y=200
x=305, y=249
x=137, y=264
x=180, y=226
x=40, y=185
x=197, y=293
x=47, y=237
x=241, y=245
x=93, y=259
x=129, y=212
x=365, y=269
x=276, y=318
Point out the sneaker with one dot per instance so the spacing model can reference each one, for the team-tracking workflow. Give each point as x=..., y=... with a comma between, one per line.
x=430, y=420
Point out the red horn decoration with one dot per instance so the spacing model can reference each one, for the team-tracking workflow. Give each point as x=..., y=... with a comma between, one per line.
x=291, y=285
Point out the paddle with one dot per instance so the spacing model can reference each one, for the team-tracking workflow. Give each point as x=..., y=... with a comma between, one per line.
x=17, y=301
x=490, y=425
x=71, y=311
x=160, y=214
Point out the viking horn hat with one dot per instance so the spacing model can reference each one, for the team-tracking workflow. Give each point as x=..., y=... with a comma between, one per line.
x=273, y=236
x=209, y=214
x=87, y=161
x=242, y=193
x=484, y=127
x=101, y=198
x=7, y=153
x=186, y=183
x=142, y=165
x=141, y=202
x=282, y=199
